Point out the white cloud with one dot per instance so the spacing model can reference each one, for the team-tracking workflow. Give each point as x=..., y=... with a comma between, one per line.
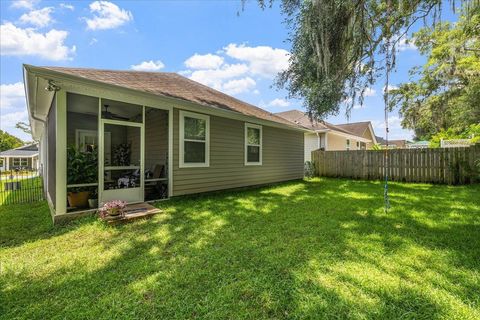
x=148, y=66
x=107, y=15
x=12, y=100
x=39, y=18
x=12, y=95
x=390, y=88
x=236, y=65
x=215, y=78
x=24, y=4
x=395, y=130
x=185, y=73
x=394, y=122
x=9, y=120
x=238, y=85
x=28, y=42
x=93, y=41
x=67, y=6
x=406, y=44
x=262, y=60
x=369, y=92
x=205, y=61
x=279, y=103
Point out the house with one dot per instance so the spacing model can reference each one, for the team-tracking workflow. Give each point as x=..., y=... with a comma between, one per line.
x=25, y=158
x=326, y=136
x=393, y=144
x=156, y=135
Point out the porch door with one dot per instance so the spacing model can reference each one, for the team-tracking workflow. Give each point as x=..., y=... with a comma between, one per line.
x=121, y=158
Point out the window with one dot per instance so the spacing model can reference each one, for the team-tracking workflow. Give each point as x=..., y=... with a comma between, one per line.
x=358, y=145
x=253, y=144
x=20, y=162
x=348, y=144
x=1, y=162
x=194, y=140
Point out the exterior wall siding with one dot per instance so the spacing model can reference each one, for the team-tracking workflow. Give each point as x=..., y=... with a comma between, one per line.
x=311, y=144
x=283, y=157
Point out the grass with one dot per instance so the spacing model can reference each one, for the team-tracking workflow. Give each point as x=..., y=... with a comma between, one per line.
x=314, y=249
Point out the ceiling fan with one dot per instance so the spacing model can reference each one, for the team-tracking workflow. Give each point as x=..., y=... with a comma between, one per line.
x=110, y=115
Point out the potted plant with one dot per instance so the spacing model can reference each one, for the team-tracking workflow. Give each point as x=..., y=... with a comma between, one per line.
x=93, y=199
x=121, y=154
x=113, y=208
x=82, y=168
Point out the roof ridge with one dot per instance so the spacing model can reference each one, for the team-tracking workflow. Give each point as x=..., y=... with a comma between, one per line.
x=342, y=124
x=229, y=96
x=109, y=70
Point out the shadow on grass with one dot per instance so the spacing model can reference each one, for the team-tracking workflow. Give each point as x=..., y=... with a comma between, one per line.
x=29, y=222
x=321, y=248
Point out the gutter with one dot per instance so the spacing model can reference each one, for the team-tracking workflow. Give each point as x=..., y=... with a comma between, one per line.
x=30, y=110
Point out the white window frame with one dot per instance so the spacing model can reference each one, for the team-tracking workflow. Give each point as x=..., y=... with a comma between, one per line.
x=2, y=162
x=20, y=160
x=182, y=164
x=254, y=126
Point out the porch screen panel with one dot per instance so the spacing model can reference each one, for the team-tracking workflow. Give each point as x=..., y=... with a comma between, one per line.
x=156, y=154
x=82, y=147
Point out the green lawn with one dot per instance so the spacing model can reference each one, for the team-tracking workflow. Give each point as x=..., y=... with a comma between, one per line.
x=301, y=250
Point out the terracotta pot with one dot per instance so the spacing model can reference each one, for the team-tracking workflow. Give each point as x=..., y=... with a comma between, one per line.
x=115, y=212
x=78, y=199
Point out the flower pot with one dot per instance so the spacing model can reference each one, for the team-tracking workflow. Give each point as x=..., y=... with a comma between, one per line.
x=93, y=203
x=114, y=212
x=78, y=199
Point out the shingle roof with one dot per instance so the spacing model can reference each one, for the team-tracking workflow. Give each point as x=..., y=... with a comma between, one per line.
x=171, y=85
x=24, y=151
x=302, y=119
x=358, y=128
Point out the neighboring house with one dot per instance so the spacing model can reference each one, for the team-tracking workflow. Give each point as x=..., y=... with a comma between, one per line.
x=329, y=137
x=25, y=158
x=392, y=144
x=157, y=134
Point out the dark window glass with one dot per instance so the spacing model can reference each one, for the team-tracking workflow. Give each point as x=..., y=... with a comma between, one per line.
x=253, y=154
x=194, y=152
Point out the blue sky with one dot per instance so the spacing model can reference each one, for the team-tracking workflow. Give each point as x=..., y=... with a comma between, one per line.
x=214, y=42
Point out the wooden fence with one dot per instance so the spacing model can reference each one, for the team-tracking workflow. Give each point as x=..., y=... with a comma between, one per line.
x=442, y=165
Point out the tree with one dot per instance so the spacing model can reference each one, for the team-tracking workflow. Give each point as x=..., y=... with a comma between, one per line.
x=7, y=141
x=340, y=48
x=445, y=97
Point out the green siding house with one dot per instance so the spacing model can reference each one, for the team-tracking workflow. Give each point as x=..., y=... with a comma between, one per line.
x=151, y=136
